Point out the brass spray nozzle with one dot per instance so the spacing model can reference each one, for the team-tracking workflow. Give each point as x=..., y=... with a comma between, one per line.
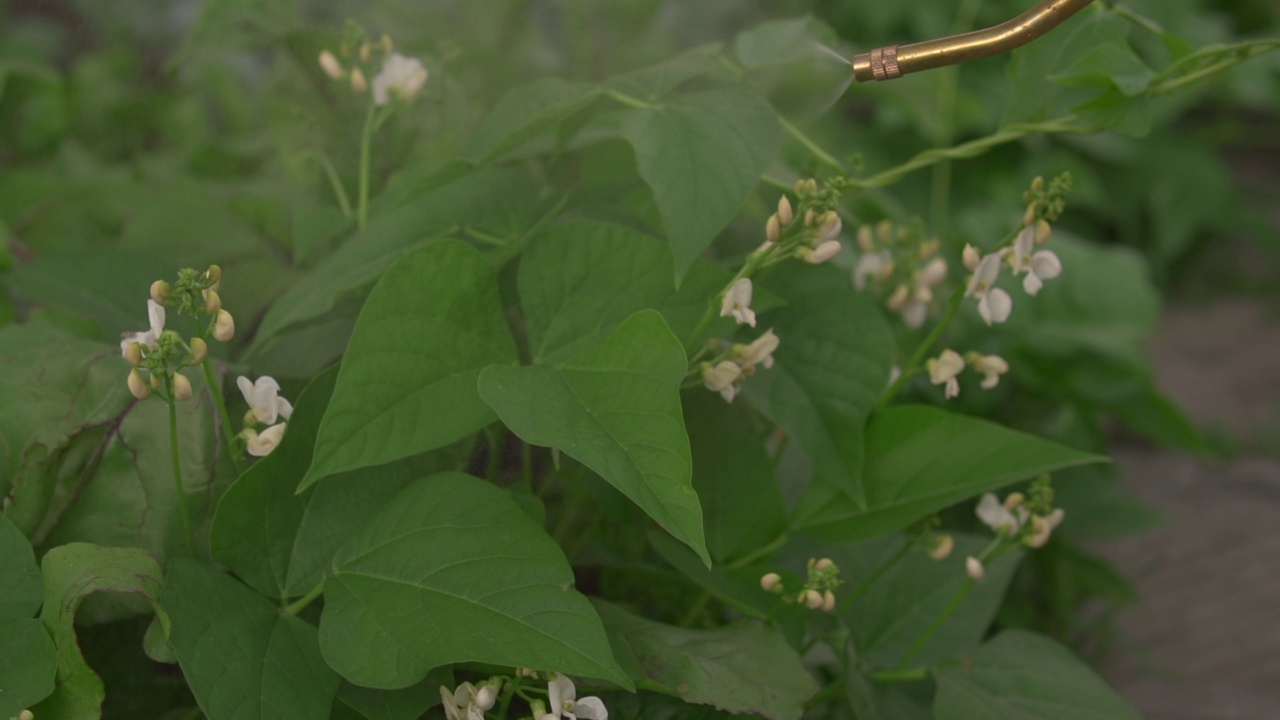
x=895, y=61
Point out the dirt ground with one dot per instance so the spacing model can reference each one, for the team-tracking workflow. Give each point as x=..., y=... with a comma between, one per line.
x=1205, y=643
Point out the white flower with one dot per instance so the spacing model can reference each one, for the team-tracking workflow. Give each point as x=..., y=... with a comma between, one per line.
x=759, y=352
x=824, y=252
x=263, y=396
x=871, y=264
x=944, y=369
x=994, y=304
x=737, y=302
x=916, y=310
x=403, y=76
x=720, y=378
x=467, y=698
x=1040, y=266
x=148, y=338
x=562, y=697
x=992, y=366
x=933, y=274
x=260, y=444
x=998, y=517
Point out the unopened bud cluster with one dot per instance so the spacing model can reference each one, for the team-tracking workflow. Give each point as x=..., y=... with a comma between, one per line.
x=899, y=264
x=809, y=230
x=1028, y=520
x=158, y=355
x=397, y=77
x=818, y=592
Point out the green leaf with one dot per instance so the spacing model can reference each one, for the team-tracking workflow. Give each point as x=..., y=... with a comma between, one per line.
x=21, y=590
x=428, y=328
x=738, y=587
x=887, y=619
x=1031, y=99
x=780, y=42
x=403, y=704
x=28, y=665
x=701, y=155
x=1108, y=66
x=526, y=112
x=921, y=459
x=452, y=571
x=243, y=658
x=616, y=409
x=656, y=81
x=745, y=667
x=1024, y=676
x=831, y=366
x=71, y=573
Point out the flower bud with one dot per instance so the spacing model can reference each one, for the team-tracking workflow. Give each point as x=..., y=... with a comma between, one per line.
x=485, y=697
x=1043, y=231
x=829, y=601
x=181, y=387
x=133, y=353
x=358, y=84
x=811, y=186
x=26, y=715
x=823, y=252
x=866, y=243
x=387, y=45
x=785, y=214
x=365, y=52
x=884, y=231
x=137, y=385
x=1029, y=216
x=972, y=258
x=942, y=547
x=330, y=65
x=823, y=564
x=812, y=599
x=214, y=275
x=770, y=581
x=1014, y=499
x=929, y=249
x=212, y=302
x=160, y=292
x=224, y=328
x=772, y=229
x=1037, y=185
x=809, y=217
x=899, y=298
x=973, y=566
x=199, y=350
x=934, y=273
x=154, y=381
x=798, y=186
x=830, y=227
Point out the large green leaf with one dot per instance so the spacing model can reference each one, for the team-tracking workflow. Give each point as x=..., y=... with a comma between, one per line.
x=408, y=381
x=525, y=112
x=779, y=42
x=921, y=459
x=452, y=571
x=580, y=281
x=701, y=155
x=616, y=409
x=746, y=667
x=1031, y=97
x=21, y=590
x=887, y=619
x=832, y=364
x=71, y=573
x=28, y=665
x=402, y=704
x=243, y=658
x=1024, y=676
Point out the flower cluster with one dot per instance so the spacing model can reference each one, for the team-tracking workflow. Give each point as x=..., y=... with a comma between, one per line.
x=158, y=355
x=400, y=77
x=266, y=407
x=818, y=592
x=467, y=702
x=816, y=238
x=1021, y=519
x=898, y=263
x=725, y=373
x=946, y=368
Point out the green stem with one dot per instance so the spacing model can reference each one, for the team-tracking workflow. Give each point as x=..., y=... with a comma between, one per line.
x=822, y=155
x=366, y=149
x=900, y=675
x=491, y=466
x=335, y=182
x=761, y=552
x=937, y=624
x=953, y=307
x=224, y=418
x=177, y=471
x=628, y=100
x=296, y=606
x=696, y=609
x=874, y=577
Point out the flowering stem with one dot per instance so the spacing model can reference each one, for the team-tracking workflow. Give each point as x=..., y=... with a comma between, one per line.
x=822, y=155
x=366, y=143
x=336, y=183
x=177, y=471
x=917, y=358
x=936, y=625
x=761, y=552
x=223, y=417
x=754, y=261
x=296, y=606
x=874, y=576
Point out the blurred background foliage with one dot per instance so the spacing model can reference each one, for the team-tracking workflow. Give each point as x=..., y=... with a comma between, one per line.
x=139, y=136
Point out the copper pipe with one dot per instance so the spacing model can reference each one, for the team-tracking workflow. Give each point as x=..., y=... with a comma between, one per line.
x=895, y=61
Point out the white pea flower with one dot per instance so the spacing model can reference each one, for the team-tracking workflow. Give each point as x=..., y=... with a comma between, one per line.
x=737, y=302
x=994, y=304
x=944, y=369
x=401, y=75
x=563, y=698
x=1038, y=266
x=468, y=700
x=260, y=444
x=147, y=338
x=871, y=264
x=991, y=366
x=263, y=396
x=759, y=352
x=824, y=252
x=916, y=310
x=998, y=516
x=720, y=378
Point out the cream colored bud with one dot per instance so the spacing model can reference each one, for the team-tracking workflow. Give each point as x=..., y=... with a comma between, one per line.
x=809, y=217
x=137, y=385
x=866, y=243
x=224, y=328
x=884, y=231
x=798, y=186
x=1043, y=231
x=1014, y=500
x=358, y=84
x=772, y=229
x=160, y=292
x=934, y=273
x=811, y=186
x=829, y=601
x=830, y=227
x=155, y=381
x=770, y=581
x=823, y=252
x=942, y=547
x=1037, y=185
x=212, y=302
x=199, y=350
x=485, y=697
x=133, y=353
x=26, y=715
x=181, y=387
x=214, y=275
x=785, y=214
x=972, y=258
x=823, y=564
x=899, y=298
x=366, y=52
x=812, y=599
x=929, y=249
x=1029, y=216
x=330, y=65
x=973, y=566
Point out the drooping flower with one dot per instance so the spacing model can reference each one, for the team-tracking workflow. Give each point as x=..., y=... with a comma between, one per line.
x=759, y=352
x=146, y=338
x=400, y=76
x=824, y=252
x=1039, y=266
x=721, y=377
x=944, y=369
x=998, y=516
x=263, y=397
x=737, y=302
x=991, y=366
x=564, y=702
x=260, y=444
x=994, y=304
